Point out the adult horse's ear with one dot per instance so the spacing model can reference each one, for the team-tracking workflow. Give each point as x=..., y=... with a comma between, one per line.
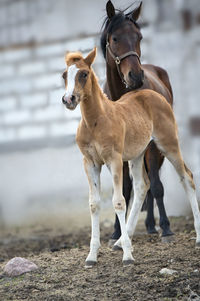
x=91, y=56
x=110, y=10
x=136, y=13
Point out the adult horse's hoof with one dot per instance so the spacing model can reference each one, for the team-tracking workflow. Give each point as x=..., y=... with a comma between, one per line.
x=111, y=242
x=167, y=239
x=197, y=245
x=128, y=262
x=152, y=231
x=89, y=264
x=116, y=248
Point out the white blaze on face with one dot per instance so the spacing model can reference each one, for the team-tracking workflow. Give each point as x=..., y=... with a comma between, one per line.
x=71, y=75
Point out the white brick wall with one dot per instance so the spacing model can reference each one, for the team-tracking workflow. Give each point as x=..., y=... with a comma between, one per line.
x=33, y=100
x=32, y=68
x=31, y=132
x=63, y=129
x=7, y=103
x=15, y=85
x=82, y=45
x=15, y=55
x=48, y=81
x=17, y=117
x=48, y=113
x=56, y=64
x=50, y=50
x=7, y=135
x=7, y=71
x=32, y=88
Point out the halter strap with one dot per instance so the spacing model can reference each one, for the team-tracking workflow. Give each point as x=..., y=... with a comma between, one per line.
x=118, y=60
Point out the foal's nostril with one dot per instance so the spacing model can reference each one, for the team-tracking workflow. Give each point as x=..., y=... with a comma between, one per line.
x=72, y=98
x=63, y=100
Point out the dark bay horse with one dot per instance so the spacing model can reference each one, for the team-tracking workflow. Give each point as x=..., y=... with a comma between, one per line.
x=120, y=43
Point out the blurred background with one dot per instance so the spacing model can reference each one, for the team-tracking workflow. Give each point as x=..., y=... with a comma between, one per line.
x=41, y=172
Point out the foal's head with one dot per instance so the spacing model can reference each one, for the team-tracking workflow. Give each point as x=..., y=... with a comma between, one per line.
x=77, y=77
x=122, y=36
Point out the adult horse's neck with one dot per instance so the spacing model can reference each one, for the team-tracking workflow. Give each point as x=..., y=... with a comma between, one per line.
x=93, y=104
x=114, y=83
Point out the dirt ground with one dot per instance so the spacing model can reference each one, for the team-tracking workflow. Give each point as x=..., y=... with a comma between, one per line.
x=62, y=276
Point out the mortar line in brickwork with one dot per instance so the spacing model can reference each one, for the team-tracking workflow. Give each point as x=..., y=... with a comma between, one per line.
x=33, y=44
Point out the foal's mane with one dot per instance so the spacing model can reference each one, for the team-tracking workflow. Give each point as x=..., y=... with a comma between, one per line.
x=109, y=26
x=73, y=57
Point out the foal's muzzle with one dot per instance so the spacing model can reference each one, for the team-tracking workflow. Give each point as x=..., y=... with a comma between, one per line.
x=69, y=101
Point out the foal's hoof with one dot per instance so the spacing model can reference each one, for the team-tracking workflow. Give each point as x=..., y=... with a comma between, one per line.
x=111, y=242
x=167, y=239
x=116, y=248
x=128, y=262
x=90, y=264
x=197, y=245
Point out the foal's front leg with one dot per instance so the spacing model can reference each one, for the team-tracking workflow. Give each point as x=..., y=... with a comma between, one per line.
x=93, y=174
x=120, y=207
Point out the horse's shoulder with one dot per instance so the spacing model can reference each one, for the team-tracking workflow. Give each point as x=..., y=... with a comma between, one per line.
x=155, y=69
x=159, y=79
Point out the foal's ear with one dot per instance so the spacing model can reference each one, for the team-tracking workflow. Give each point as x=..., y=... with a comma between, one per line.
x=136, y=13
x=110, y=10
x=91, y=56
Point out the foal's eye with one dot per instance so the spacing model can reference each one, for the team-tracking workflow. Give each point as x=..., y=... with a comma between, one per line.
x=114, y=39
x=84, y=74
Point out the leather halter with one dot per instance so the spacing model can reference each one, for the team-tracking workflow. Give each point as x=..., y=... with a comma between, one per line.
x=118, y=60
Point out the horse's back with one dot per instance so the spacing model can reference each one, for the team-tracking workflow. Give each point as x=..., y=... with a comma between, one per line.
x=143, y=102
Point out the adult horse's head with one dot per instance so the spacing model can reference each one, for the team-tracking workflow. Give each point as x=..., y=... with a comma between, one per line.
x=120, y=43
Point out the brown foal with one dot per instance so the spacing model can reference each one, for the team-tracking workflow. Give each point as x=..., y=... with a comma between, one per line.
x=112, y=132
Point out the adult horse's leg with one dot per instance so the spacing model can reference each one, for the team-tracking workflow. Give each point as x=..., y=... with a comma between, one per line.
x=93, y=174
x=127, y=188
x=150, y=220
x=154, y=160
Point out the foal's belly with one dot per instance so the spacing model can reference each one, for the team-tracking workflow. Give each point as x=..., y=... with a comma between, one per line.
x=134, y=149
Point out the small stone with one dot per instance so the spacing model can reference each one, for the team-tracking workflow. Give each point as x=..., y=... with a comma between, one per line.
x=166, y=271
x=193, y=296
x=18, y=266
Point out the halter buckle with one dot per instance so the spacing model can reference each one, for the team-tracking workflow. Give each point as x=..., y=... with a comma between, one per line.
x=117, y=60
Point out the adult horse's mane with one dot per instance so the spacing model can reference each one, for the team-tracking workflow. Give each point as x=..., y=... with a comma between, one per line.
x=110, y=25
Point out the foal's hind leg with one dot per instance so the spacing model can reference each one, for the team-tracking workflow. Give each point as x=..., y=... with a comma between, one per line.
x=172, y=152
x=140, y=186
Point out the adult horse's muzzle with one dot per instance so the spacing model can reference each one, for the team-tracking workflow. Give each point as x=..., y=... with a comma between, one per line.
x=69, y=101
x=133, y=80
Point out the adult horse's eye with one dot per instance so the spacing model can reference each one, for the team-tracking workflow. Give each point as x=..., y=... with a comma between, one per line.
x=114, y=39
x=140, y=37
